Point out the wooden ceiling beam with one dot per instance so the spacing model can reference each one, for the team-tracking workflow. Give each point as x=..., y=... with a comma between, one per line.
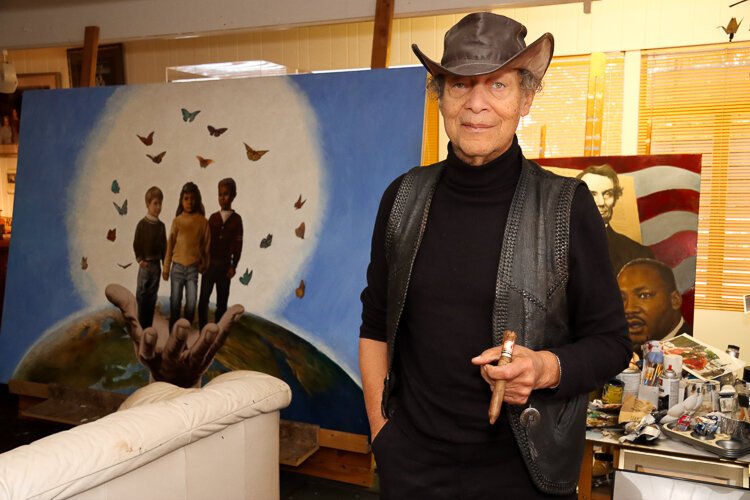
x=90, y=51
x=381, y=35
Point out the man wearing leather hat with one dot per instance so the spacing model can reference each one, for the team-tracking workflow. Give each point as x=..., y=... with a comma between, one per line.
x=463, y=250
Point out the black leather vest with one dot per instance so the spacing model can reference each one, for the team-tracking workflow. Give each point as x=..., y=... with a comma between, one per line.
x=530, y=299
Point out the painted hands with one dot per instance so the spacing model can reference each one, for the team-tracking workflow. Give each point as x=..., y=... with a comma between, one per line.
x=182, y=357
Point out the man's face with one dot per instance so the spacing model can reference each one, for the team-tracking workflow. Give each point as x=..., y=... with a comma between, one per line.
x=651, y=309
x=603, y=190
x=481, y=113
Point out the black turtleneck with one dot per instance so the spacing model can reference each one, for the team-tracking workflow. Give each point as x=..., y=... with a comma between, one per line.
x=447, y=317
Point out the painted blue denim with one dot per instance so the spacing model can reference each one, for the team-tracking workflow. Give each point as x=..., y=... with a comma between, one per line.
x=183, y=278
x=146, y=293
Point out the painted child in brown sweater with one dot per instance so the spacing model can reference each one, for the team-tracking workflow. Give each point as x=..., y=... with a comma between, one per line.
x=187, y=253
x=226, y=248
x=149, y=245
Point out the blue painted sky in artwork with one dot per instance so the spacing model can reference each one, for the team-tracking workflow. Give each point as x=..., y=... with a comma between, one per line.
x=39, y=291
x=364, y=148
x=363, y=155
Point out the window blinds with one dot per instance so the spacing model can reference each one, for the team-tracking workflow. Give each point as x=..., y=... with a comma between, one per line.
x=559, y=112
x=697, y=100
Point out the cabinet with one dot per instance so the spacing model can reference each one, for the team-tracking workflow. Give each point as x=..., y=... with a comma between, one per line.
x=668, y=458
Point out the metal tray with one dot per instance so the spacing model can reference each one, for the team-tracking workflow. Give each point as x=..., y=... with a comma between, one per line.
x=730, y=442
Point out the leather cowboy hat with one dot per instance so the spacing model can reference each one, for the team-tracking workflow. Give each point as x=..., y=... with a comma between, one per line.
x=482, y=43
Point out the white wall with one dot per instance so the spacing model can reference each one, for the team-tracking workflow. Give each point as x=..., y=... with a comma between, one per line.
x=720, y=328
x=621, y=25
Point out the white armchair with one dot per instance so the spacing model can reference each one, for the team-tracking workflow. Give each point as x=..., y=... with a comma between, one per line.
x=220, y=441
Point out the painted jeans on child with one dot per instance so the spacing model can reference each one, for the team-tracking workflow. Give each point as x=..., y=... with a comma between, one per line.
x=183, y=278
x=146, y=292
x=215, y=275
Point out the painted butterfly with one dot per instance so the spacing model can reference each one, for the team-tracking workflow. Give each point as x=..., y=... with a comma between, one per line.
x=122, y=210
x=252, y=154
x=298, y=204
x=158, y=158
x=204, y=162
x=216, y=132
x=300, y=231
x=189, y=116
x=300, y=291
x=266, y=242
x=112, y=234
x=148, y=140
x=115, y=186
x=245, y=278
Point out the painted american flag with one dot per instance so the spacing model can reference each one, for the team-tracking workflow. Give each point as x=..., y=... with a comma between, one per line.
x=667, y=190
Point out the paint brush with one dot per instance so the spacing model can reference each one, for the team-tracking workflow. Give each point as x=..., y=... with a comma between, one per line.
x=498, y=390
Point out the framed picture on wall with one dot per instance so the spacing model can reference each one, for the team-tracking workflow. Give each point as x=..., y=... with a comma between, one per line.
x=110, y=65
x=10, y=104
x=11, y=181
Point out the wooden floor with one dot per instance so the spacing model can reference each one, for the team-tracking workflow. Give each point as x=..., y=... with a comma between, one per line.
x=16, y=432
x=601, y=493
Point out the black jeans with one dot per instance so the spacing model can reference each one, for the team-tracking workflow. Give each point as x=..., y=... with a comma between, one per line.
x=213, y=276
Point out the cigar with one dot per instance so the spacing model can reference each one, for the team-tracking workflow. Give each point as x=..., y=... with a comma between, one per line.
x=498, y=390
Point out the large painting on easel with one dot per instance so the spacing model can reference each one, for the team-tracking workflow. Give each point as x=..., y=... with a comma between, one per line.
x=309, y=156
x=649, y=205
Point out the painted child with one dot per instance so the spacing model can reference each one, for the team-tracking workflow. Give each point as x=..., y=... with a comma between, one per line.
x=225, y=251
x=150, y=246
x=187, y=253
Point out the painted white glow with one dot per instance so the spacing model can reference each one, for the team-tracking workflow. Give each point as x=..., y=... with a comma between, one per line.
x=264, y=113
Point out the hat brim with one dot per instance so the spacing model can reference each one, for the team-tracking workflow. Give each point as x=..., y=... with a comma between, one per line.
x=534, y=58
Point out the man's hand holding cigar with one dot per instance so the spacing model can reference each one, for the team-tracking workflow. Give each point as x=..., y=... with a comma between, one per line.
x=529, y=370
